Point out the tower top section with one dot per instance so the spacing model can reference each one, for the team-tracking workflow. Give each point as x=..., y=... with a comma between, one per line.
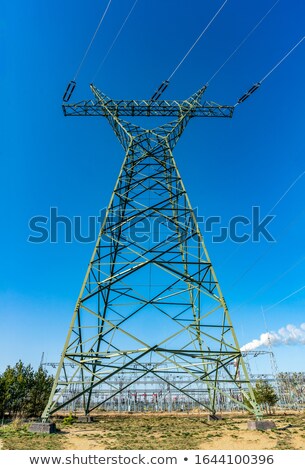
x=102, y=105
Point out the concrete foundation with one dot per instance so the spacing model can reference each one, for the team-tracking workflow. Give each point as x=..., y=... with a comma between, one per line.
x=85, y=419
x=43, y=428
x=261, y=425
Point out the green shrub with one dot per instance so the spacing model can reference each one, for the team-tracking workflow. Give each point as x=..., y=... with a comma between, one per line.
x=68, y=420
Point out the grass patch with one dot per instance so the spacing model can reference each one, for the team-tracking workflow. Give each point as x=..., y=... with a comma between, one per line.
x=19, y=438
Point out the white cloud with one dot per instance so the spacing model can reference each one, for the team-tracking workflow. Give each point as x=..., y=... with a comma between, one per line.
x=289, y=335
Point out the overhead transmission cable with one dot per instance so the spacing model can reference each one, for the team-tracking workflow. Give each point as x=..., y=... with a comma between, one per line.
x=165, y=83
x=266, y=286
x=285, y=298
x=287, y=190
x=258, y=84
x=92, y=39
x=253, y=264
x=197, y=40
x=114, y=41
x=282, y=60
x=71, y=86
x=268, y=212
x=242, y=42
x=286, y=229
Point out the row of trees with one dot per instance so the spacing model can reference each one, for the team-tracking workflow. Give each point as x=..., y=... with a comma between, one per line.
x=23, y=391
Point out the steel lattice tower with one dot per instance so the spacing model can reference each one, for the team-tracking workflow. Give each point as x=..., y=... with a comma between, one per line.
x=150, y=305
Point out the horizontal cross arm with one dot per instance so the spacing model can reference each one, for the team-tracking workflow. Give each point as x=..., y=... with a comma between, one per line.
x=146, y=108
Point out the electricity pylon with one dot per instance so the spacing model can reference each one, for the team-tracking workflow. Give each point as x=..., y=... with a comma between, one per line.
x=150, y=303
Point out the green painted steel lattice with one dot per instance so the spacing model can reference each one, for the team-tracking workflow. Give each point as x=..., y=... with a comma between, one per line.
x=150, y=304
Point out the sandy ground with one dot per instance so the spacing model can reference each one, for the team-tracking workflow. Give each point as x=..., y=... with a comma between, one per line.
x=228, y=434
x=83, y=440
x=249, y=442
x=253, y=440
x=145, y=431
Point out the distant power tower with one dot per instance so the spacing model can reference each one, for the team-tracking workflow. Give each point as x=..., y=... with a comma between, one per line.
x=150, y=304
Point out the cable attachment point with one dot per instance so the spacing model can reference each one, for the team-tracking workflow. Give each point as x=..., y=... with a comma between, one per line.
x=160, y=90
x=249, y=92
x=69, y=90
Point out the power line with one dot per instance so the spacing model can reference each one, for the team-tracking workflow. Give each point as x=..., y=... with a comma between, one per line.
x=268, y=212
x=287, y=191
x=251, y=266
x=254, y=263
x=242, y=42
x=114, y=41
x=198, y=39
x=165, y=83
x=72, y=84
x=92, y=39
x=282, y=60
x=258, y=84
x=266, y=286
x=285, y=298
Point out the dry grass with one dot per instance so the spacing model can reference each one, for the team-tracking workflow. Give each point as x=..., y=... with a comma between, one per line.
x=162, y=431
x=17, y=437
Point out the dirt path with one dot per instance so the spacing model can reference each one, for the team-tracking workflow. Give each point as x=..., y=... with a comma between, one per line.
x=1, y=444
x=248, y=440
x=83, y=440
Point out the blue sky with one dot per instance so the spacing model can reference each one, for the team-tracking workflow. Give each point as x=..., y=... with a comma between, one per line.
x=228, y=166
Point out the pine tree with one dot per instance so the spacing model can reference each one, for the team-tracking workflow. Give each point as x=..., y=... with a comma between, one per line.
x=265, y=395
x=39, y=393
x=24, y=392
